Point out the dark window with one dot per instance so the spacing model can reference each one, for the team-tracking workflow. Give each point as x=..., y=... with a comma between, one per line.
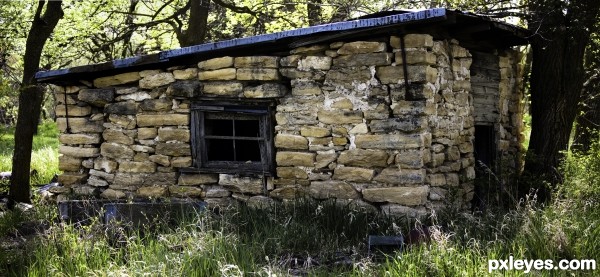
x=232, y=137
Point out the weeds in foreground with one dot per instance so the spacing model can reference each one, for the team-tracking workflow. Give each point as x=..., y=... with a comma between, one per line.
x=318, y=238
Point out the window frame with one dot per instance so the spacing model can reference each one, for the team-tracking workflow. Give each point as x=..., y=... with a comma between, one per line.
x=263, y=109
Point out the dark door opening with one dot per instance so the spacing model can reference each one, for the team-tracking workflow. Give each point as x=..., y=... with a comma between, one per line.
x=485, y=158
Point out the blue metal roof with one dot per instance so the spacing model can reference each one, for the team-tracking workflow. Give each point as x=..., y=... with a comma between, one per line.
x=280, y=41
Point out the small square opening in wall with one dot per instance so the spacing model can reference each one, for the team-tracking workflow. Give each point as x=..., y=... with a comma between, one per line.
x=232, y=137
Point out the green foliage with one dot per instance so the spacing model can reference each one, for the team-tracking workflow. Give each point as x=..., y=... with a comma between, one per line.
x=44, y=158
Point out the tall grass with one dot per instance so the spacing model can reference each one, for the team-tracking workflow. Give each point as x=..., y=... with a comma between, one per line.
x=319, y=238
x=44, y=157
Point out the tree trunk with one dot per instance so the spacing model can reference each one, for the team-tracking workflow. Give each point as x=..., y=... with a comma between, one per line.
x=588, y=121
x=314, y=12
x=558, y=45
x=197, y=24
x=30, y=98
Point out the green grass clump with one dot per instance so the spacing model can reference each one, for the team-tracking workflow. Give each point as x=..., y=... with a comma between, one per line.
x=44, y=157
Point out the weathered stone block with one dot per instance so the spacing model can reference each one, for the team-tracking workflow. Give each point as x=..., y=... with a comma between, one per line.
x=185, y=74
x=310, y=50
x=121, y=108
x=363, y=158
x=412, y=41
x=116, y=151
x=416, y=91
x=293, y=73
x=79, y=125
x=291, y=173
x=420, y=56
x=137, y=167
x=105, y=164
x=342, y=104
x=123, y=121
x=413, y=108
x=345, y=77
x=286, y=141
x=173, y=149
x=305, y=88
x=97, y=97
x=452, y=179
x=353, y=174
x=256, y=61
x=157, y=105
x=223, y=88
x=96, y=182
x=184, y=89
x=216, y=63
x=178, y=162
x=452, y=153
x=184, y=192
x=160, y=159
x=118, y=79
x=404, y=124
x=118, y=136
x=79, y=138
x=257, y=74
x=145, y=120
x=436, y=180
x=241, y=184
x=332, y=189
x=78, y=152
x=403, y=211
x=70, y=178
x=412, y=158
x=147, y=133
x=294, y=159
x=224, y=74
x=142, y=148
x=394, y=175
x=391, y=141
x=314, y=63
x=197, y=179
x=416, y=73
x=340, y=141
x=68, y=163
x=368, y=59
x=289, y=61
x=112, y=194
x=340, y=117
x=85, y=190
x=359, y=129
x=153, y=191
x=216, y=192
x=325, y=158
x=409, y=196
x=358, y=47
x=61, y=99
x=169, y=134
x=437, y=194
x=268, y=90
x=313, y=131
x=101, y=174
x=157, y=80
x=288, y=192
x=73, y=110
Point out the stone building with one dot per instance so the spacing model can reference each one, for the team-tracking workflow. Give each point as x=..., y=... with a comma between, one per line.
x=389, y=112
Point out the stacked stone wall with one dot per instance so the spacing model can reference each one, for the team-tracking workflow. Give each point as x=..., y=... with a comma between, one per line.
x=346, y=127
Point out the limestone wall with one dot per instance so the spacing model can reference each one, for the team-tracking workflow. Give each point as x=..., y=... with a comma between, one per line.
x=346, y=127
